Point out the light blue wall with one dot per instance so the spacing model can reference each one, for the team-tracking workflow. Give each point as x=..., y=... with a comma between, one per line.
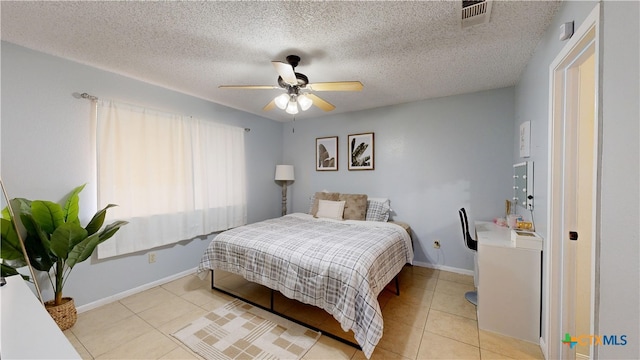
x=46, y=152
x=619, y=205
x=619, y=298
x=532, y=104
x=431, y=158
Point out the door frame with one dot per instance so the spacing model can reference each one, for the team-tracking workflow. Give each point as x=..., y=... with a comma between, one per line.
x=558, y=314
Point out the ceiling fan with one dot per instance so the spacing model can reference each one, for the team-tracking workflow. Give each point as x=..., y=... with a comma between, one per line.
x=298, y=89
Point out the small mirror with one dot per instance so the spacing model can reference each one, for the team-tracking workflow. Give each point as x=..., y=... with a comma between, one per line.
x=523, y=184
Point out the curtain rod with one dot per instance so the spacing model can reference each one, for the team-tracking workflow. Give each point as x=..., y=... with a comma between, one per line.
x=94, y=98
x=85, y=96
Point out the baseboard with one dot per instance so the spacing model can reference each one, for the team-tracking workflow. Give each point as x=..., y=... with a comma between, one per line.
x=543, y=347
x=445, y=268
x=124, y=294
x=582, y=356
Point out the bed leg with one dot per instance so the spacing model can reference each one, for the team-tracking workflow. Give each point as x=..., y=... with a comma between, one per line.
x=397, y=286
x=212, y=286
x=271, y=303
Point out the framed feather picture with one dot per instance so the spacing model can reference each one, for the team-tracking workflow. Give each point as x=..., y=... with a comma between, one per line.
x=361, y=151
x=327, y=153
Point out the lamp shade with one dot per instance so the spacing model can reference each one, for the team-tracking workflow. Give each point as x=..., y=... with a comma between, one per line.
x=282, y=101
x=292, y=107
x=305, y=102
x=284, y=172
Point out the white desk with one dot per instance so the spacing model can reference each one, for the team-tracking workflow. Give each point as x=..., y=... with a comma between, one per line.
x=28, y=331
x=509, y=283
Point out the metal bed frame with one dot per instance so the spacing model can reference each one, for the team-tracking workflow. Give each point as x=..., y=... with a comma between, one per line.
x=273, y=311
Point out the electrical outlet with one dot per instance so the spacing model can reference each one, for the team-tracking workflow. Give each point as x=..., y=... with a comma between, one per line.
x=152, y=257
x=436, y=244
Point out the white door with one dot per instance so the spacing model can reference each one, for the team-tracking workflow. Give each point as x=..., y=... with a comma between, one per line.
x=573, y=140
x=584, y=209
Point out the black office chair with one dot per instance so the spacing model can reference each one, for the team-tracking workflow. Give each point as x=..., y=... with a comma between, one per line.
x=468, y=240
x=471, y=296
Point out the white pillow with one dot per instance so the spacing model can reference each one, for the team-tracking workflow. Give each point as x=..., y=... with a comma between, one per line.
x=312, y=200
x=330, y=209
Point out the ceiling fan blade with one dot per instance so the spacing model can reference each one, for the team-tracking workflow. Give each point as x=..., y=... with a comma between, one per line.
x=336, y=86
x=249, y=87
x=321, y=103
x=270, y=106
x=286, y=72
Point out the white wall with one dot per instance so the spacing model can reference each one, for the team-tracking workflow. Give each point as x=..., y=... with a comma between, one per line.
x=431, y=158
x=46, y=152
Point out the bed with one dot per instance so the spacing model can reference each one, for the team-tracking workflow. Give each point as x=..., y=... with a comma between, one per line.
x=338, y=265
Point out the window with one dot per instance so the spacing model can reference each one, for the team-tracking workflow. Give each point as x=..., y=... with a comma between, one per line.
x=173, y=177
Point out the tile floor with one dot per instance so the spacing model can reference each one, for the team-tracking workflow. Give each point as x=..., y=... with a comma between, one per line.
x=429, y=320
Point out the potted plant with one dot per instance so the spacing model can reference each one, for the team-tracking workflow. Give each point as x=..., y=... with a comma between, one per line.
x=55, y=242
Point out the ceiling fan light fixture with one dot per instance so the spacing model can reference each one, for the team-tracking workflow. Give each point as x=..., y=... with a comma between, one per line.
x=305, y=102
x=295, y=83
x=281, y=101
x=292, y=108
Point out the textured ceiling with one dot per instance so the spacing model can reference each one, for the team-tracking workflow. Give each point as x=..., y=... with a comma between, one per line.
x=400, y=51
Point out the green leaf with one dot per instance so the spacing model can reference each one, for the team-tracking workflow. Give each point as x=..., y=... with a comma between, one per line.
x=21, y=205
x=47, y=214
x=83, y=250
x=65, y=238
x=35, y=231
x=98, y=219
x=6, y=271
x=72, y=207
x=111, y=229
x=10, y=248
x=17, y=204
x=16, y=264
x=40, y=257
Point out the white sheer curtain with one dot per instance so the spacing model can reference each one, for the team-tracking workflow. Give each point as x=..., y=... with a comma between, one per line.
x=173, y=177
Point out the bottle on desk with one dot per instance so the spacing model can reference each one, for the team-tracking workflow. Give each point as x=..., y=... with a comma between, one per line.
x=513, y=219
x=524, y=225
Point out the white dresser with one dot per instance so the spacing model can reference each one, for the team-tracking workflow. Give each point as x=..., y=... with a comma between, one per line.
x=508, y=278
x=28, y=331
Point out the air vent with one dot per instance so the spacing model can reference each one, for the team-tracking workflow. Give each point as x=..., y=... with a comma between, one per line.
x=475, y=12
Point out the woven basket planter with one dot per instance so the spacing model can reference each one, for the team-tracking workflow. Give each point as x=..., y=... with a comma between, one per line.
x=65, y=314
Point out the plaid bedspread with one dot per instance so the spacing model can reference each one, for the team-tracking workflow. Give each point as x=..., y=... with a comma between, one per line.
x=339, y=266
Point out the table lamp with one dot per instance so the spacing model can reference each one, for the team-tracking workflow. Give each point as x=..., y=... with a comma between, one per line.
x=284, y=173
